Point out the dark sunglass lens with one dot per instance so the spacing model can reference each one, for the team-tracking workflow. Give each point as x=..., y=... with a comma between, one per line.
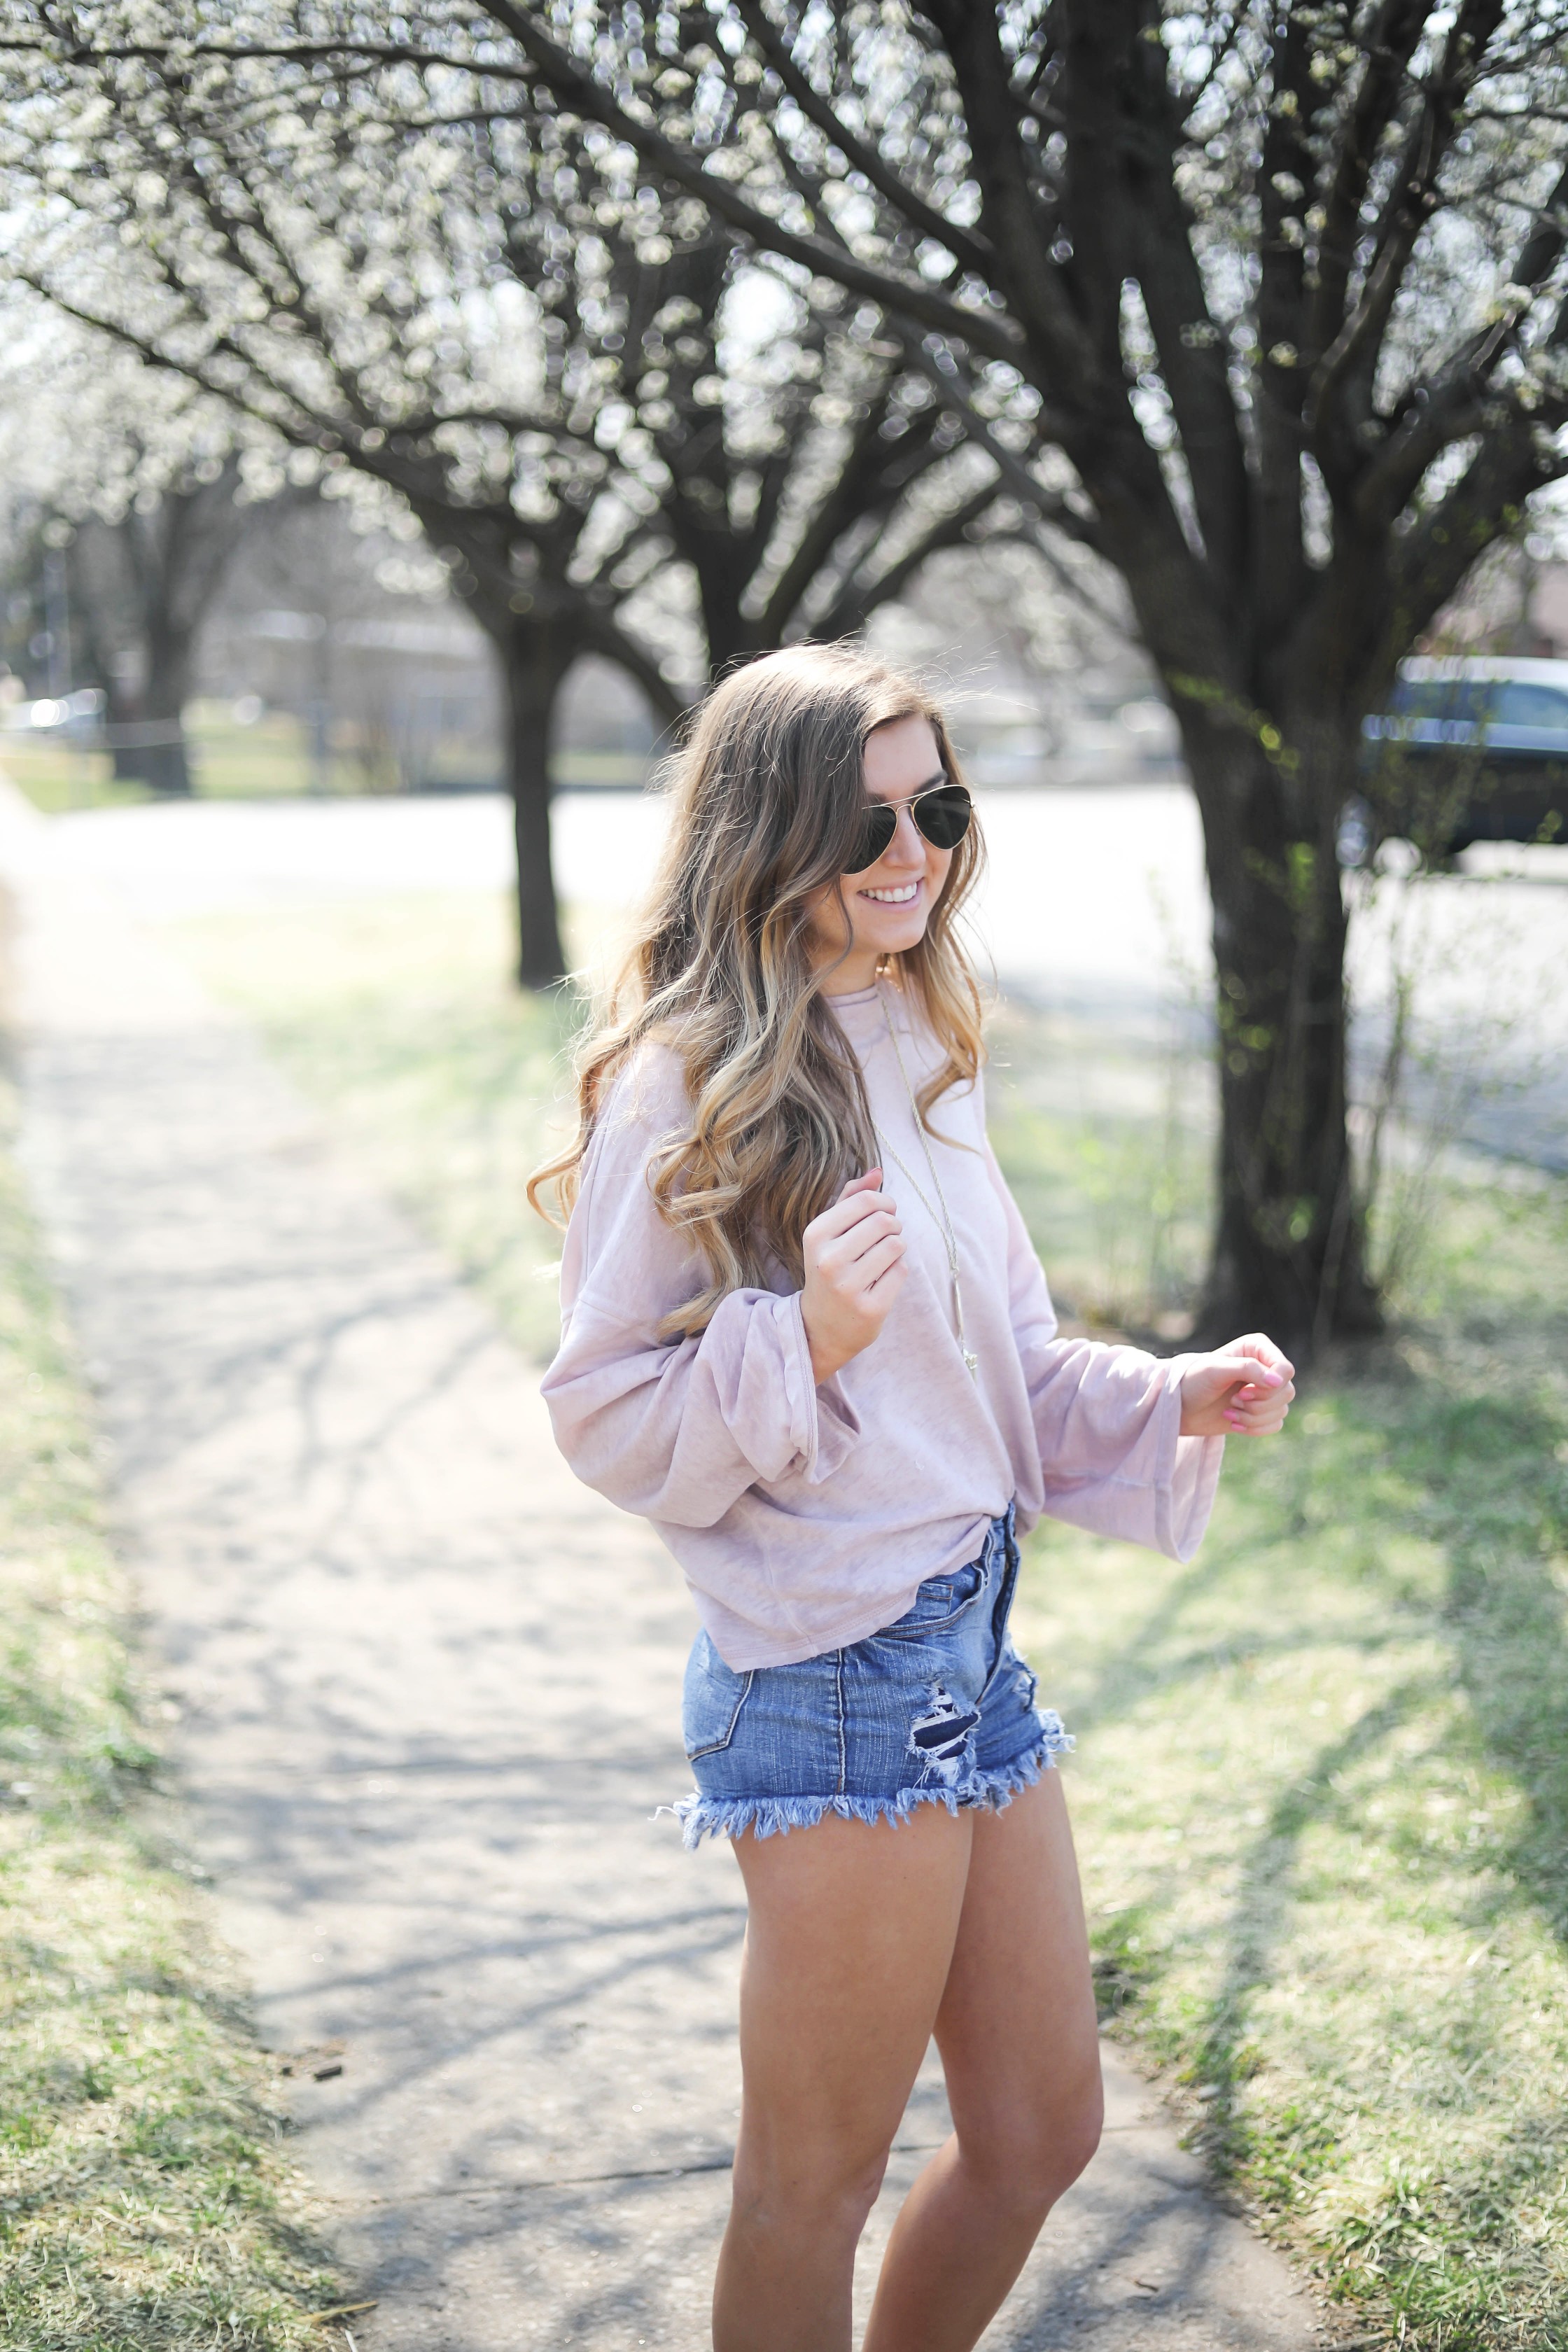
x=878, y=827
x=943, y=815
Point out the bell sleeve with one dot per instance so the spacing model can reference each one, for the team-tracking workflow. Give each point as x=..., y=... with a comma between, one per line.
x=675, y=1430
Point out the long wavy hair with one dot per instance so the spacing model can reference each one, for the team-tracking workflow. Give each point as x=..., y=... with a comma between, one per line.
x=767, y=797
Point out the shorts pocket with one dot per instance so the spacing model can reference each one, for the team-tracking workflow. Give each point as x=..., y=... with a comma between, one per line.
x=942, y=1599
x=712, y=1701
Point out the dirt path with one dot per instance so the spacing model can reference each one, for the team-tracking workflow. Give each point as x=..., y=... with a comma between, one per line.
x=428, y=1693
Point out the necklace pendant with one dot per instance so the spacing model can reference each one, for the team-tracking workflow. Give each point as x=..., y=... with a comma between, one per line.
x=972, y=1363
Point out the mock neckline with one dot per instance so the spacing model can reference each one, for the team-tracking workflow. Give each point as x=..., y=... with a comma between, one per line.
x=863, y=1015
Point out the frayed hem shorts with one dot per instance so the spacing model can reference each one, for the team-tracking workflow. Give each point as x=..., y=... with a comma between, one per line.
x=936, y=1710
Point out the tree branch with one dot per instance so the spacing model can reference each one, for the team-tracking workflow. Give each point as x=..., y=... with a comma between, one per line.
x=1432, y=560
x=1349, y=366
x=854, y=605
x=606, y=636
x=845, y=501
x=1194, y=368
x=1050, y=504
x=985, y=330
x=1065, y=364
x=972, y=251
x=1456, y=403
x=62, y=51
x=1277, y=555
x=1391, y=43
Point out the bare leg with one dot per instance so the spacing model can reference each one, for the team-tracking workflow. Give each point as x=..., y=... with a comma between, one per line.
x=1021, y=2052
x=851, y=1930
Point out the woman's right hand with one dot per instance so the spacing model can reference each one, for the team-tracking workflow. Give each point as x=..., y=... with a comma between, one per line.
x=854, y=1271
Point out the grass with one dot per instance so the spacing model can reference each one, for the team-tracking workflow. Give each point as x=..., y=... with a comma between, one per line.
x=1107, y=1139
x=228, y=762
x=146, y=2199
x=1322, y=1777
x=268, y=759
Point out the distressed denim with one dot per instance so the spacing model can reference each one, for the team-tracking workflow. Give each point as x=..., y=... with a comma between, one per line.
x=937, y=1708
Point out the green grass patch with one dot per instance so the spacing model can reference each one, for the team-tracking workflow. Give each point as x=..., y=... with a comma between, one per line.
x=146, y=2199
x=1322, y=1779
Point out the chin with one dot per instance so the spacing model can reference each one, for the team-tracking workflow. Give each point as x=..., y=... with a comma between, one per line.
x=898, y=938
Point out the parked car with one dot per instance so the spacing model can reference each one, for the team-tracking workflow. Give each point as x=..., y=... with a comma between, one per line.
x=1476, y=749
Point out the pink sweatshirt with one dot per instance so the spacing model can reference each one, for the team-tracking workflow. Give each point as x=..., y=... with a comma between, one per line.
x=804, y=1517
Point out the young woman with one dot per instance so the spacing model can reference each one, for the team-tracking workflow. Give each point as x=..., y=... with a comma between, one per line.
x=808, y=1337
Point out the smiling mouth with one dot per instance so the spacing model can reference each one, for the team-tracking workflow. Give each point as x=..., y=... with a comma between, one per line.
x=899, y=897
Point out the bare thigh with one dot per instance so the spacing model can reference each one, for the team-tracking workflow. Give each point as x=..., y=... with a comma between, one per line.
x=849, y=1941
x=851, y=1930
x=1016, y=2025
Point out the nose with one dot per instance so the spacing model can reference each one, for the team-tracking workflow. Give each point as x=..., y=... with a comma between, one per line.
x=907, y=846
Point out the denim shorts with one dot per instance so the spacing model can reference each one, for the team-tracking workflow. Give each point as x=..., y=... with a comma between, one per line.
x=936, y=1710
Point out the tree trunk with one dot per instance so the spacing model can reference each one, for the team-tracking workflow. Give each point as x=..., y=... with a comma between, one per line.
x=537, y=658
x=1290, y=1246
x=125, y=764
x=161, y=759
x=94, y=560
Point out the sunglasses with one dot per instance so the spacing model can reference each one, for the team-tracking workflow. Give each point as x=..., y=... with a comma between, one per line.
x=942, y=815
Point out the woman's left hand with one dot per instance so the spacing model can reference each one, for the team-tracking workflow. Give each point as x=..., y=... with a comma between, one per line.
x=1242, y=1390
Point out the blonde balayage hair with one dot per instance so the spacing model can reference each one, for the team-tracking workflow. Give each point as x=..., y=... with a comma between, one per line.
x=768, y=793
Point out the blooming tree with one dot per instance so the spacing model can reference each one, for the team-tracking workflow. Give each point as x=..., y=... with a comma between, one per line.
x=135, y=487
x=405, y=263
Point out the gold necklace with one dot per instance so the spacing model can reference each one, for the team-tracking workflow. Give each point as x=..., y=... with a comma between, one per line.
x=943, y=1222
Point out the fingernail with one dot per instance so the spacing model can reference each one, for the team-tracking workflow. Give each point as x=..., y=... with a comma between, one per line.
x=1275, y=1379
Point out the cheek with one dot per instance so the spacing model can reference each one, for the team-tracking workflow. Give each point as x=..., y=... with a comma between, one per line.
x=824, y=917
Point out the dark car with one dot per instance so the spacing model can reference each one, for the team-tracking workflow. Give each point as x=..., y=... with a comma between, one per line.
x=1470, y=751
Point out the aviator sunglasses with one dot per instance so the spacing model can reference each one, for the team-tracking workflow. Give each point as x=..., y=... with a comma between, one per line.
x=941, y=815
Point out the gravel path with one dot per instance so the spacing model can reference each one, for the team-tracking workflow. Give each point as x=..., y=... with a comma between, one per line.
x=428, y=1694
